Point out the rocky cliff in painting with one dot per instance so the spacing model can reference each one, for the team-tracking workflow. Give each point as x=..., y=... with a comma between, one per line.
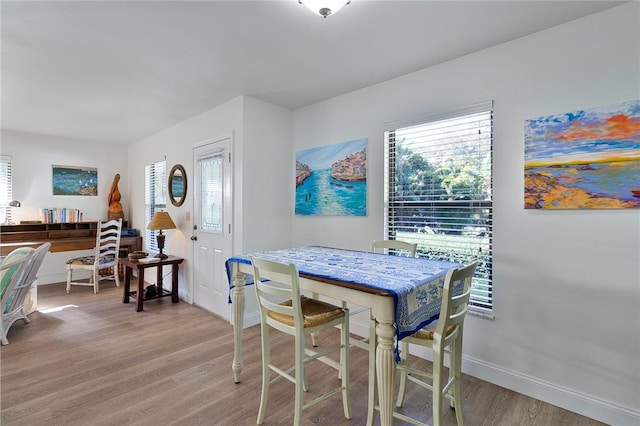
x=353, y=167
x=302, y=172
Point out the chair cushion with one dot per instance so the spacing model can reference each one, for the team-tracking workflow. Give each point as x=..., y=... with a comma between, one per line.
x=314, y=312
x=85, y=260
x=427, y=333
x=88, y=260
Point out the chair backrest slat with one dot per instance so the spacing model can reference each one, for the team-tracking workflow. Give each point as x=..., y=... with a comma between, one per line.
x=108, y=239
x=396, y=246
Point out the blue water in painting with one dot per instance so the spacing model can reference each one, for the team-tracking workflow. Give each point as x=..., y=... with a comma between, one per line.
x=320, y=194
x=614, y=180
x=74, y=181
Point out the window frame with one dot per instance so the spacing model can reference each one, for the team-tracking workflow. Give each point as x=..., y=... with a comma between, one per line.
x=155, y=198
x=6, y=188
x=482, y=296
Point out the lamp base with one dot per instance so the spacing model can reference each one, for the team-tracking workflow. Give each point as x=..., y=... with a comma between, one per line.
x=160, y=238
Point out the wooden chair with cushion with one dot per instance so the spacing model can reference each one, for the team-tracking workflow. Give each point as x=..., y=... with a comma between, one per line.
x=442, y=336
x=103, y=264
x=284, y=309
x=19, y=272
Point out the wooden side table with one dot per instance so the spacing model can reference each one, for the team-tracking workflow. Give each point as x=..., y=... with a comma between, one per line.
x=140, y=266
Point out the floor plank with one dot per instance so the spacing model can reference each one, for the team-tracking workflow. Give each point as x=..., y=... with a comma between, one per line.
x=89, y=359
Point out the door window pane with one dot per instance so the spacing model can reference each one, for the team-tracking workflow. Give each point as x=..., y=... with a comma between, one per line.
x=211, y=194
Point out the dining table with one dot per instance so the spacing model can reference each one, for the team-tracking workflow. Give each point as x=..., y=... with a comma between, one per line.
x=403, y=294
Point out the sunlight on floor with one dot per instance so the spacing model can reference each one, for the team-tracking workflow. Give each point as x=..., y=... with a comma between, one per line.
x=56, y=309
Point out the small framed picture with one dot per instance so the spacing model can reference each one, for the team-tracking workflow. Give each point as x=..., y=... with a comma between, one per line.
x=75, y=180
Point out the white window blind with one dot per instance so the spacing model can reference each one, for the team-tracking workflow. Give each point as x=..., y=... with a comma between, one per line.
x=155, y=198
x=6, y=188
x=438, y=191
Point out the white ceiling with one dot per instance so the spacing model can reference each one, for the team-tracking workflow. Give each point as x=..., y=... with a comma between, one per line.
x=120, y=71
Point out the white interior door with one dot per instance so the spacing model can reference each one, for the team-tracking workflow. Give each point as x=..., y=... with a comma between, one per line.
x=212, y=225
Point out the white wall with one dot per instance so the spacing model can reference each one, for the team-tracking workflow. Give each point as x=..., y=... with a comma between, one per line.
x=266, y=177
x=176, y=145
x=33, y=156
x=260, y=173
x=567, y=286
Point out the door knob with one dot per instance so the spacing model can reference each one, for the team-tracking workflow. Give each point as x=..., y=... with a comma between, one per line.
x=194, y=238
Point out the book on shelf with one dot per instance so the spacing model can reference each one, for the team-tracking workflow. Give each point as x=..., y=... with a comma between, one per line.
x=60, y=215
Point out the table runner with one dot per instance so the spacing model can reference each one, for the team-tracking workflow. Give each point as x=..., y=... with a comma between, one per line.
x=416, y=283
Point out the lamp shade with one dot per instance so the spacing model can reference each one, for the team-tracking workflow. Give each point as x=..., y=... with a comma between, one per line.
x=324, y=8
x=161, y=220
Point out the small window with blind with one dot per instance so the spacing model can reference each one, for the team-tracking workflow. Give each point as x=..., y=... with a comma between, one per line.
x=155, y=198
x=438, y=191
x=6, y=188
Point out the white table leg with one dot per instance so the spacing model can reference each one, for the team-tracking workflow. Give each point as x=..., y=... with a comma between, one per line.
x=238, y=320
x=385, y=370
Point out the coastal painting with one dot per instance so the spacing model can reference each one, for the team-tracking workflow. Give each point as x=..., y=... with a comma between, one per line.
x=72, y=180
x=332, y=180
x=586, y=159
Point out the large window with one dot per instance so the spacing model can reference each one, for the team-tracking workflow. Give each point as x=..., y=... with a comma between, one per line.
x=438, y=186
x=155, y=198
x=6, y=188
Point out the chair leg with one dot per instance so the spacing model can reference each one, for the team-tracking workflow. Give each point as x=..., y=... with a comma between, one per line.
x=299, y=385
x=344, y=366
x=266, y=360
x=69, y=279
x=404, y=355
x=25, y=318
x=452, y=362
x=438, y=395
x=116, y=275
x=96, y=281
x=456, y=367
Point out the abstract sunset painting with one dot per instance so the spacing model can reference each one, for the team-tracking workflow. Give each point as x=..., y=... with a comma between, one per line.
x=586, y=159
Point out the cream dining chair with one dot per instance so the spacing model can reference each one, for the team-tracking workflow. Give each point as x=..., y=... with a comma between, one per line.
x=103, y=264
x=284, y=309
x=442, y=336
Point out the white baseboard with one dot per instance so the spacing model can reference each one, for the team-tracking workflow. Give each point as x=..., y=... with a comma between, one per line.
x=52, y=279
x=585, y=405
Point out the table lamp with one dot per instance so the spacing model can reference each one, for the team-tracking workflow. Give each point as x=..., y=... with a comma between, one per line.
x=161, y=220
x=7, y=218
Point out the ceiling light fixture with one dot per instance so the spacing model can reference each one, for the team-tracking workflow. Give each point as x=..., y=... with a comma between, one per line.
x=324, y=8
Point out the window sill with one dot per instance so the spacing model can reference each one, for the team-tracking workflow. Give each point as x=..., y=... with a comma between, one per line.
x=482, y=313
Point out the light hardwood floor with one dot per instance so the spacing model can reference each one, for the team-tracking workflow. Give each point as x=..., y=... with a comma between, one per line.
x=89, y=359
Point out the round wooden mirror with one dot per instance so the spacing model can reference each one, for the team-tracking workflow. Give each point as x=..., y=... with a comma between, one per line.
x=177, y=185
